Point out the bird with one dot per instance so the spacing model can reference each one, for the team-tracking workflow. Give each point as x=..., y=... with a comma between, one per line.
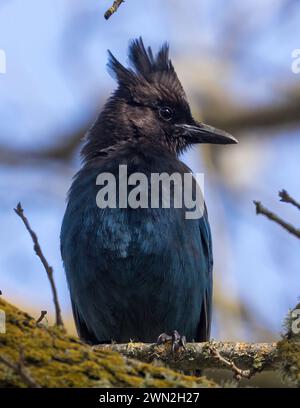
x=139, y=274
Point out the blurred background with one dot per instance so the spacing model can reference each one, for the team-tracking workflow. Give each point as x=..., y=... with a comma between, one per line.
x=234, y=59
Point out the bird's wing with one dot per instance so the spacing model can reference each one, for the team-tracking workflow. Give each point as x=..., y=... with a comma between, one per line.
x=203, y=332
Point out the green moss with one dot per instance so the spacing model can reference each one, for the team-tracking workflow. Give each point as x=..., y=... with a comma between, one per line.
x=289, y=351
x=289, y=354
x=55, y=359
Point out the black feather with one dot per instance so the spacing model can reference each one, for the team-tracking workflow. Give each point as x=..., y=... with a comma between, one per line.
x=144, y=65
x=119, y=72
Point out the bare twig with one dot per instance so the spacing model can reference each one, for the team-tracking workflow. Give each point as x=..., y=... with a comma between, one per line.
x=113, y=9
x=20, y=370
x=273, y=217
x=286, y=198
x=248, y=356
x=20, y=212
x=43, y=314
x=237, y=372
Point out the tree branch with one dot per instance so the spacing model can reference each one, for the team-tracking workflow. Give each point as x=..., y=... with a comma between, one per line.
x=238, y=373
x=273, y=217
x=286, y=198
x=42, y=316
x=236, y=119
x=56, y=360
x=20, y=212
x=231, y=118
x=113, y=9
x=63, y=149
x=248, y=356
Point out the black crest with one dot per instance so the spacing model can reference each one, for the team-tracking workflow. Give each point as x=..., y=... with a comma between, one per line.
x=146, y=67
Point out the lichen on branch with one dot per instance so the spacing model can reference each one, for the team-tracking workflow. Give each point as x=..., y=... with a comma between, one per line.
x=53, y=359
x=253, y=357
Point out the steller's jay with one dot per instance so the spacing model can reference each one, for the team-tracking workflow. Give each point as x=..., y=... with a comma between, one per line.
x=134, y=273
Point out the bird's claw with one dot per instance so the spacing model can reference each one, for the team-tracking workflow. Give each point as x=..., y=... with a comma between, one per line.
x=175, y=338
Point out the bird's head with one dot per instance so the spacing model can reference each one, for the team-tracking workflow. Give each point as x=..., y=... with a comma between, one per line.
x=150, y=105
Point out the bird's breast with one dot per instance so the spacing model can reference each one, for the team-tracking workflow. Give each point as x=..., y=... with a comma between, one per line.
x=127, y=243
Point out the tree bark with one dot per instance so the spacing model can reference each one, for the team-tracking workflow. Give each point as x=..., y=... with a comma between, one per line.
x=250, y=356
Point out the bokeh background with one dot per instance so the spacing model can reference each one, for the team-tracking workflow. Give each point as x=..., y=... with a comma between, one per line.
x=234, y=60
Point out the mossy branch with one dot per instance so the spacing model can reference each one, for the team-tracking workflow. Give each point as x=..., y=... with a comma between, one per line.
x=18, y=368
x=50, y=358
x=253, y=357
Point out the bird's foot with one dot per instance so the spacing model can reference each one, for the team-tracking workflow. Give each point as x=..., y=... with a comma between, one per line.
x=175, y=339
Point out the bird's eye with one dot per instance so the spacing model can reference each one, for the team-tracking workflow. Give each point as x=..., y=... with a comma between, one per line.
x=165, y=113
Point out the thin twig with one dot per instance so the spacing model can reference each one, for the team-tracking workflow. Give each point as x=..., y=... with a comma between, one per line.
x=273, y=217
x=113, y=9
x=237, y=372
x=20, y=370
x=36, y=246
x=286, y=198
x=43, y=314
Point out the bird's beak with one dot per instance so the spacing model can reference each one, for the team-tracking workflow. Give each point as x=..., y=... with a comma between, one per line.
x=201, y=133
